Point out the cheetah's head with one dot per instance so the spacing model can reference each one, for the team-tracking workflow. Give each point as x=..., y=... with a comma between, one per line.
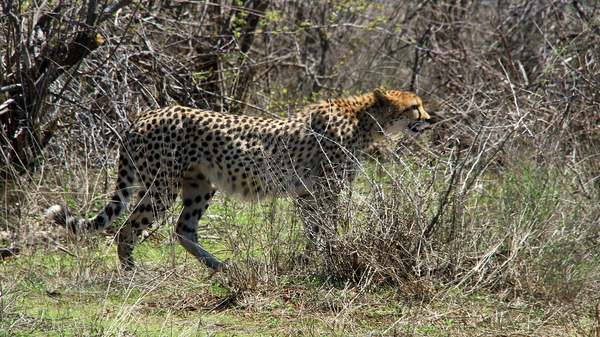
x=403, y=112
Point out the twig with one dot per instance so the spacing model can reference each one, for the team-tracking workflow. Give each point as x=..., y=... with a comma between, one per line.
x=597, y=314
x=487, y=162
x=565, y=63
x=12, y=87
x=8, y=11
x=501, y=146
x=506, y=46
x=112, y=9
x=91, y=14
x=593, y=27
x=418, y=62
x=443, y=201
x=116, y=47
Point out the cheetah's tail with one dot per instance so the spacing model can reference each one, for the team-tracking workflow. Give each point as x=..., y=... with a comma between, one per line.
x=61, y=216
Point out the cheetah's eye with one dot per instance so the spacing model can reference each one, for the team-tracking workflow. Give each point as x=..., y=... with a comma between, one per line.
x=415, y=107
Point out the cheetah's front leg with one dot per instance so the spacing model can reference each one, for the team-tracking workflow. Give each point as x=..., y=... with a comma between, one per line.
x=320, y=220
x=312, y=219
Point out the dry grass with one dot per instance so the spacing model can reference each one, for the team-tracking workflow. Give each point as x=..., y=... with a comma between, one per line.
x=487, y=224
x=87, y=295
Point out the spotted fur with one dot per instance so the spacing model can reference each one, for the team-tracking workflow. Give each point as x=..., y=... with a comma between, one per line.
x=311, y=156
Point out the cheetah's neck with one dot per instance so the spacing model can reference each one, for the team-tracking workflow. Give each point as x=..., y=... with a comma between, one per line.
x=362, y=114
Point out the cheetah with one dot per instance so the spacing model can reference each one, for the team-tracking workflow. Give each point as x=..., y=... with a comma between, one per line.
x=311, y=156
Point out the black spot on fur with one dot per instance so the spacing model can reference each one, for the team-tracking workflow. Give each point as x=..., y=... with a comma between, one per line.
x=117, y=210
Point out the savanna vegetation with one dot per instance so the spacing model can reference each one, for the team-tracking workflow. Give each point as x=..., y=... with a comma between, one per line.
x=488, y=223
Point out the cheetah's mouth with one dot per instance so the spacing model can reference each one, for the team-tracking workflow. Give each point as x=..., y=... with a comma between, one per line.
x=415, y=127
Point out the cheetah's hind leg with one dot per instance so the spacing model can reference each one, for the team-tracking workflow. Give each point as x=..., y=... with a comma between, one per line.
x=196, y=193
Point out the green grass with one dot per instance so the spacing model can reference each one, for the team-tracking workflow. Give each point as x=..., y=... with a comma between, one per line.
x=93, y=298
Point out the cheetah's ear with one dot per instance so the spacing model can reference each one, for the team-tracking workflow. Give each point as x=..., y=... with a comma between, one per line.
x=380, y=95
